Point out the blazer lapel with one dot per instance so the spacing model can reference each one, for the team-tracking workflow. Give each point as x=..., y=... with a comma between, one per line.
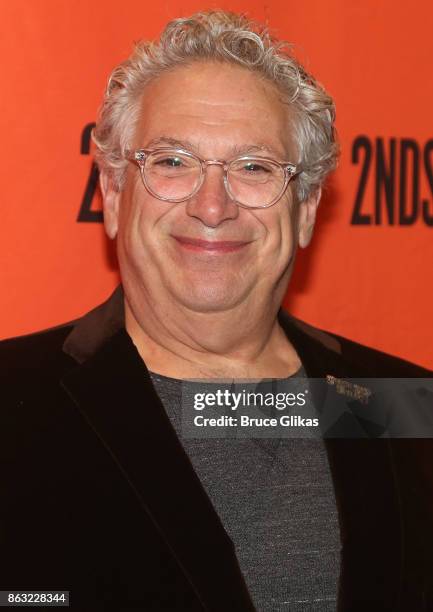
x=113, y=391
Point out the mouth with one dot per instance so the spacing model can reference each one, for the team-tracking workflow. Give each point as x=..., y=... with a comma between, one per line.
x=211, y=246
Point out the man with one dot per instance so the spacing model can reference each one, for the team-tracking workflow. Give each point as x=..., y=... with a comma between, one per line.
x=213, y=145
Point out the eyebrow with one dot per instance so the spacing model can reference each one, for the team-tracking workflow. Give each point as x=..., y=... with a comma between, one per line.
x=237, y=149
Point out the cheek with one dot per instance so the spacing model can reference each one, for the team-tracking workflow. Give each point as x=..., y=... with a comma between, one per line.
x=280, y=240
x=132, y=229
x=134, y=209
x=144, y=230
x=129, y=204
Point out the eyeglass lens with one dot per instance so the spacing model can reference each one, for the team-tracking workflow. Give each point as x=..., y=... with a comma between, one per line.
x=172, y=175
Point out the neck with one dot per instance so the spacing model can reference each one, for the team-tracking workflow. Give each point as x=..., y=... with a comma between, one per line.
x=180, y=343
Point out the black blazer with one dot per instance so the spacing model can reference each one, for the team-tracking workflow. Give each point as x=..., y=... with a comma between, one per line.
x=99, y=498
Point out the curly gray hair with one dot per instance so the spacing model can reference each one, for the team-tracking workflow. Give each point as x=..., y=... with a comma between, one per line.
x=225, y=37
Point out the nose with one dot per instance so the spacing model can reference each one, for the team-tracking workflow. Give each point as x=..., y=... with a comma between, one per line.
x=212, y=204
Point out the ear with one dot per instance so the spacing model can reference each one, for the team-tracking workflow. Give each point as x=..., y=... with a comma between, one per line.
x=111, y=201
x=307, y=217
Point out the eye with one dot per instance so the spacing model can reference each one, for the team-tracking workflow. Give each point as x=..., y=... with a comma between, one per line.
x=254, y=171
x=254, y=168
x=170, y=162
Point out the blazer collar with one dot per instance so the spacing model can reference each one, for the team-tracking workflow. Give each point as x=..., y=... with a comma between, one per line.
x=319, y=352
x=92, y=331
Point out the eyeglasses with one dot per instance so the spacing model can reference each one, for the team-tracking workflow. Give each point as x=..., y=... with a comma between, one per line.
x=175, y=175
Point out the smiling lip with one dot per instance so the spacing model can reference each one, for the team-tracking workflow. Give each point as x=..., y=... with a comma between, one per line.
x=214, y=246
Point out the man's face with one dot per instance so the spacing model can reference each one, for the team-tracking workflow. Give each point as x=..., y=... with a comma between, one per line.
x=208, y=254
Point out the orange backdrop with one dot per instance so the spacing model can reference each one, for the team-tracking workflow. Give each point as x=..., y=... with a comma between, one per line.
x=368, y=274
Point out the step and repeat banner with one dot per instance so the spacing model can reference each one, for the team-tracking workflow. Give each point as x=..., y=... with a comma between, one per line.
x=368, y=272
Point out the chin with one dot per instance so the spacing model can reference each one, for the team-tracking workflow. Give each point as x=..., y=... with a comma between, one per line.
x=210, y=290
x=209, y=298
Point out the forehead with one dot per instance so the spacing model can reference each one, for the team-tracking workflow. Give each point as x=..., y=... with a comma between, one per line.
x=214, y=106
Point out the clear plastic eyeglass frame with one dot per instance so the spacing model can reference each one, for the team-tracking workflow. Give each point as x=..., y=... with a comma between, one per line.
x=140, y=156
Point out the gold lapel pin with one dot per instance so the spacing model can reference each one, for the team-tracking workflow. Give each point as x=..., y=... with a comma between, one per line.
x=344, y=387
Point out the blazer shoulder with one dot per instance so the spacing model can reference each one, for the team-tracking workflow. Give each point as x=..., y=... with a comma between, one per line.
x=361, y=360
x=34, y=356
